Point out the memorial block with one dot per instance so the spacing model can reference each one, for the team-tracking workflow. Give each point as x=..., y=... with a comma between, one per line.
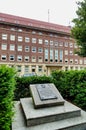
x=45, y=95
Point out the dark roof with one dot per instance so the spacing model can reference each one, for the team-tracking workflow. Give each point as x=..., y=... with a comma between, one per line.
x=7, y=18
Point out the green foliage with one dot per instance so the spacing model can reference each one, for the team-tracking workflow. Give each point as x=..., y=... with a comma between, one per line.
x=72, y=85
x=7, y=85
x=79, y=30
x=23, y=83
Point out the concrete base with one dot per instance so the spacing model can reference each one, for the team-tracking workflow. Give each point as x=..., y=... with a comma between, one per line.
x=74, y=123
x=47, y=115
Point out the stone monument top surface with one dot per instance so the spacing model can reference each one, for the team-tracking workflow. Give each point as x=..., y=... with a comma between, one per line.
x=45, y=95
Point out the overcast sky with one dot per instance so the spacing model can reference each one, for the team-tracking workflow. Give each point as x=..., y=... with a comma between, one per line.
x=60, y=11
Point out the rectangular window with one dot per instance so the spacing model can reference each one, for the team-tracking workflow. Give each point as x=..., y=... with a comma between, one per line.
x=66, y=44
x=27, y=49
x=34, y=49
x=71, y=52
x=39, y=59
x=20, y=39
x=46, y=42
x=46, y=55
x=19, y=48
x=40, y=41
x=40, y=50
x=3, y=57
x=19, y=58
x=27, y=39
x=76, y=61
x=33, y=59
x=12, y=37
x=56, y=43
x=11, y=58
x=26, y=69
x=4, y=36
x=39, y=68
x=61, y=55
x=19, y=68
x=71, y=61
x=56, y=55
x=51, y=55
x=33, y=40
x=12, y=47
x=26, y=58
x=60, y=43
x=66, y=61
x=4, y=46
x=51, y=43
x=81, y=61
x=71, y=45
x=66, y=52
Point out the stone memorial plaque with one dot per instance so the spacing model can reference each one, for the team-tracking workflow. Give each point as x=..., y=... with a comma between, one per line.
x=45, y=92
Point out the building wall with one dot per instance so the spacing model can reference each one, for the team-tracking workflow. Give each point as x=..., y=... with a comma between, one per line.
x=37, y=51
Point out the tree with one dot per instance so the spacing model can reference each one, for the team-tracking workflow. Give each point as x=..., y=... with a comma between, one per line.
x=79, y=30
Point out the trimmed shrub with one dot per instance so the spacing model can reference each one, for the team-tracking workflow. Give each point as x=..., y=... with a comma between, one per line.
x=23, y=83
x=7, y=85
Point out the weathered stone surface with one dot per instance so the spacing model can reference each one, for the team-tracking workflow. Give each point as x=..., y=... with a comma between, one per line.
x=75, y=123
x=46, y=115
x=42, y=98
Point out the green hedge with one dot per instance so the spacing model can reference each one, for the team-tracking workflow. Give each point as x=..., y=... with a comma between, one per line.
x=72, y=85
x=7, y=83
x=23, y=83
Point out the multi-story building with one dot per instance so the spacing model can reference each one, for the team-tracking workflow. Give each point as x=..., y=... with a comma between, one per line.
x=39, y=47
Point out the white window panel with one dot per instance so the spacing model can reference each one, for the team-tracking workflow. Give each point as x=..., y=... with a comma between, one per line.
x=40, y=50
x=66, y=52
x=19, y=58
x=20, y=38
x=51, y=43
x=33, y=40
x=27, y=49
x=26, y=69
x=12, y=37
x=3, y=57
x=12, y=47
x=4, y=46
x=40, y=59
x=19, y=68
x=46, y=42
x=40, y=68
x=19, y=48
x=27, y=39
x=33, y=59
x=11, y=57
x=4, y=36
x=33, y=49
x=26, y=58
x=40, y=41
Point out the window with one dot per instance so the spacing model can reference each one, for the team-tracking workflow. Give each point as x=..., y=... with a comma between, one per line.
x=66, y=44
x=76, y=61
x=33, y=59
x=27, y=49
x=40, y=50
x=56, y=55
x=19, y=58
x=71, y=44
x=19, y=68
x=34, y=49
x=12, y=37
x=51, y=55
x=11, y=58
x=40, y=41
x=26, y=58
x=71, y=52
x=56, y=43
x=27, y=39
x=60, y=43
x=66, y=60
x=66, y=68
x=61, y=55
x=46, y=54
x=66, y=52
x=19, y=30
x=12, y=47
x=40, y=68
x=40, y=33
x=26, y=69
x=75, y=45
x=71, y=61
x=19, y=48
x=39, y=59
x=4, y=46
x=4, y=36
x=51, y=43
x=3, y=57
x=46, y=42
x=33, y=32
x=81, y=61
x=84, y=61
x=33, y=40
x=20, y=38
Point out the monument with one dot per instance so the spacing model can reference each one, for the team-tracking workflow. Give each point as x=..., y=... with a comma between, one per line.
x=47, y=110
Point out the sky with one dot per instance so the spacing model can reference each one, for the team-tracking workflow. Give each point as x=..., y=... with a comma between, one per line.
x=54, y=11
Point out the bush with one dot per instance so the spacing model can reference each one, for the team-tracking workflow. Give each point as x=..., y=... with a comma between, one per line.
x=23, y=83
x=72, y=85
x=7, y=83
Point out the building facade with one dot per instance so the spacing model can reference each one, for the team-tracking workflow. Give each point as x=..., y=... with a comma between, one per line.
x=39, y=47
